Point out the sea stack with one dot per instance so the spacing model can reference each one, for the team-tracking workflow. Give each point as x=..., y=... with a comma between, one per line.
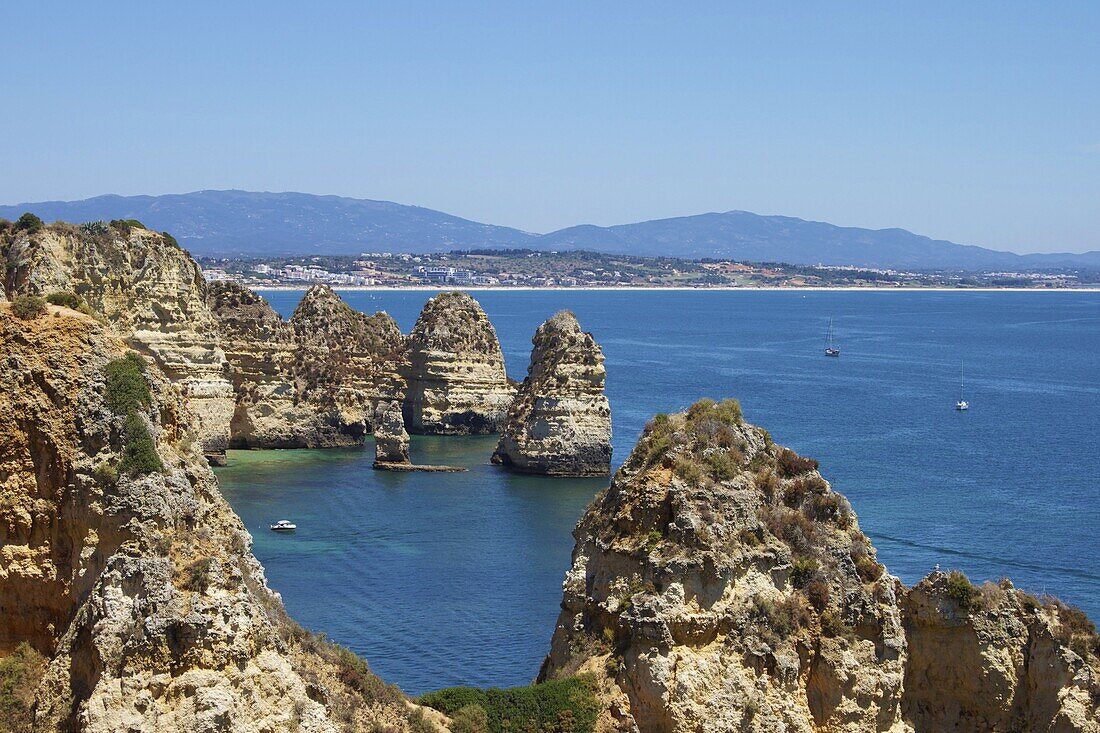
x=560, y=421
x=391, y=440
x=147, y=289
x=456, y=379
x=347, y=362
x=720, y=584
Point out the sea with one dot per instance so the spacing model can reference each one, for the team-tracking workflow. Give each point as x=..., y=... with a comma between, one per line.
x=455, y=579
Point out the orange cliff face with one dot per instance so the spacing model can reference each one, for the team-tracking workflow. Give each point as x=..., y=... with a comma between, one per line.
x=720, y=584
x=122, y=565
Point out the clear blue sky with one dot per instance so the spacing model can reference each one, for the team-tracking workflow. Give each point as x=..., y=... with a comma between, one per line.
x=977, y=122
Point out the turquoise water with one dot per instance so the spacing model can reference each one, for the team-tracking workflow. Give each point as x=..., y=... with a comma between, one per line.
x=442, y=579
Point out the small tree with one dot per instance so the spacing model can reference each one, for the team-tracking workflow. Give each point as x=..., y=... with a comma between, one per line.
x=28, y=223
x=140, y=454
x=65, y=299
x=28, y=307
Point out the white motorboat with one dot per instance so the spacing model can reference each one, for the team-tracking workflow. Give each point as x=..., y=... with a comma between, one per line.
x=284, y=525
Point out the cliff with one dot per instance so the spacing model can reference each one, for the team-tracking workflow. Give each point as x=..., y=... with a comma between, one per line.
x=121, y=564
x=456, y=379
x=720, y=584
x=146, y=288
x=560, y=420
x=312, y=382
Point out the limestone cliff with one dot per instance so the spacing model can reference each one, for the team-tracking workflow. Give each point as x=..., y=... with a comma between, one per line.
x=311, y=382
x=560, y=421
x=121, y=562
x=996, y=659
x=147, y=289
x=456, y=379
x=720, y=584
x=347, y=362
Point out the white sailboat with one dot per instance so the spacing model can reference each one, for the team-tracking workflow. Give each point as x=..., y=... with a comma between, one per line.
x=830, y=348
x=961, y=405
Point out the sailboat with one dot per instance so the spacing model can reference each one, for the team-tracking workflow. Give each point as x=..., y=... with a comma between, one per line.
x=961, y=404
x=830, y=348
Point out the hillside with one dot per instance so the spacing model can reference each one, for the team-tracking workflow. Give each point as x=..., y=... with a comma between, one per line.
x=243, y=223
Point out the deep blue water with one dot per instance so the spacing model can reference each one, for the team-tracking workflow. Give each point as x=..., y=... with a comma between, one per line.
x=442, y=579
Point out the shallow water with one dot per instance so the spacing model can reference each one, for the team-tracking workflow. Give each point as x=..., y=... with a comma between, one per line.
x=442, y=579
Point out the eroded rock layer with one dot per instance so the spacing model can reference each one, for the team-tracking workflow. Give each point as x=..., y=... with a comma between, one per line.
x=314, y=381
x=720, y=584
x=147, y=289
x=560, y=421
x=122, y=564
x=391, y=441
x=456, y=379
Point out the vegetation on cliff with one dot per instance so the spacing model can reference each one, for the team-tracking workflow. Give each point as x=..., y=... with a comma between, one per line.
x=20, y=673
x=559, y=706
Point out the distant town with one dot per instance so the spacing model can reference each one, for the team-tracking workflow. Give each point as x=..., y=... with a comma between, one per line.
x=581, y=269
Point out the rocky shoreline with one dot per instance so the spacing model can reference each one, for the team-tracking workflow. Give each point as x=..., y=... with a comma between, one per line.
x=718, y=583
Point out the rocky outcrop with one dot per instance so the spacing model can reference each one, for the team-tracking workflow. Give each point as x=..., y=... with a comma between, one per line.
x=456, y=379
x=720, y=584
x=560, y=421
x=121, y=562
x=311, y=382
x=147, y=289
x=994, y=658
x=391, y=441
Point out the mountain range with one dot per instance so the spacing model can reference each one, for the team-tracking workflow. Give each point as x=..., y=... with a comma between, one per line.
x=246, y=223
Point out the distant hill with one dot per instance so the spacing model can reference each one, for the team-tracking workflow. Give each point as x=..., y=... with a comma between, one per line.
x=244, y=223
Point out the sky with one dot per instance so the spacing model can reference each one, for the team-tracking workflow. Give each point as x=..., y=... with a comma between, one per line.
x=977, y=122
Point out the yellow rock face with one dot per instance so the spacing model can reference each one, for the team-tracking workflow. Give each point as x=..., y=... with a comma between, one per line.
x=140, y=588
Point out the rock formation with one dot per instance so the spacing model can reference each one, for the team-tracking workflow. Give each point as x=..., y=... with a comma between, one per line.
x=147, y=289
x=121, y=563
x=720, y=584
x=311, y=382
x=391, y=441
x=560, y=421
x=456, y=379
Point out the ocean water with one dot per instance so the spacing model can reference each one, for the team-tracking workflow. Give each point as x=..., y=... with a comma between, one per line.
x=443, y=579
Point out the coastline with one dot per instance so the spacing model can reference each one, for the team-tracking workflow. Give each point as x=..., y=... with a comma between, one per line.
x=673, y=288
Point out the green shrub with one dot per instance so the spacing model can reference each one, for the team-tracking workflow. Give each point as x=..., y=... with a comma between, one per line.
x=656, y=448
x=125, y=225
x=1075, y=629
x=64, y=299
x=105, y=473
x=196, y=576
x=29, y=223
x=687, y=468
x=803, y=571
x=961, y=590
x=791, y=464
x=566, y=705
x=777, y=620
x=653, y=539
x=470, y=719
x=727, y=411
x=140, y=453
x=126, y=388
x=28, y=307
x=724, y=465
x=170, y=239
x=20, y=673
x=830, y=508
x=833, y=625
